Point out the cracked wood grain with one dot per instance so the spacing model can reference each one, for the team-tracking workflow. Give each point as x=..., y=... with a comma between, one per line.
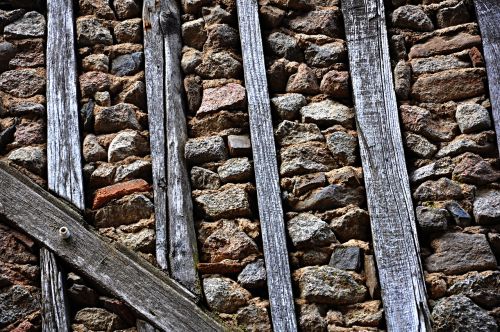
x=390, y=205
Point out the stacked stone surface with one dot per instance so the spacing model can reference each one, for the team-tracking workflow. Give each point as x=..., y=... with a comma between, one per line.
x=452, y=157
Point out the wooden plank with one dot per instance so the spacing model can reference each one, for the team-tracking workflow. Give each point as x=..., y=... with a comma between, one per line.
x=488, y=16
x=112, y=267
x=143, y=326
x=386, y=179
x=54, y=309
x=183, y=251
x=266, y=170
x=154, y=64
x=64, y=161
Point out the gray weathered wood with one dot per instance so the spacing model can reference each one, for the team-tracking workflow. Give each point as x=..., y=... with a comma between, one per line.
x=266, y=170
x=389, y=199
x=54, y=309
x=488, y=16
x=143, y=326
x=114, y=268
x=154, y=64
x=64, y=161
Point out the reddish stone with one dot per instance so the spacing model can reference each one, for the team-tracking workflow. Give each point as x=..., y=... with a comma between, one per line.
x=104, y=195
x=92, y=82
x=336, y=84
x=220, y=268
x=476, y=57
x=444, y=45
x=229, y=96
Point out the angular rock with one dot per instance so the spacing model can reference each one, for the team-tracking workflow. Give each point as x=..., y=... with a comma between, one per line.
x=328, y=113
x=420, y=121
x=135, y=94
x=458, y=253
x=450, y=16
x=329, y=197
x=194, y=90
x=481, y=143
x=307, y=230
x=306, y=158
x=202, y=178
x=487, y=207
x=305, y=183
x=419, y=146
x=129, y=31
x=444, y=45
x=33, y=158
x=310, y=318
x=134, y=170
x=30, y=132
x=92, y=151
x=304, y=81
x=90, y=32
x=462, y=218
x=220, y=65
x=231, y=96
x=106, y=194
x=325, y=55
x=127, y=143
x=235, y=170
x=216, y=15
x=127, y=64
x=143, y=240
x=253, y=275
x=17, y=302
x=482, y=288
x=474, y=170
x=336, y=84
x=402, y=79
x=255, y=316
x=411, y=17
x=343, y=147
x=288, y=105
x=205, y=149
x=126, y=9
x=102, y=175
x=472, y=118
x=100, y=8
x=289, y=133
x=224, y=295
x=98, y=319
x=124, y=211
x=92, y=82
x=364, y=314
x=355, y=224
x=326, y=22
x=437, y=63
x=22, y=83
x=440, y=190
x=194, y=33
x=432, y=219
x=230, y=203
x=31, y=25
x=271, y=16
x=191, y=58
x=347, y=258
x=284, y=46
x=239, y=145
x=220, y=37
x=96, y=62
x=458, y=312
x=328, y=285
x=116, y=118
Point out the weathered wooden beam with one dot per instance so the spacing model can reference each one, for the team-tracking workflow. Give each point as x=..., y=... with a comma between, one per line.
x=488, y=16
x=114, y=268
x=54, y=309
x=154, y=64
x=386, y=179
x=143, y=326
x=266, y=169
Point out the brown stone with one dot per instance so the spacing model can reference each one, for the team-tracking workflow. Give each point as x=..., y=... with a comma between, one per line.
x=93, y=81
x=303, y=81
x=229, y=97
x=104, y=195
x=444, y=45
x=30, y=53
x=336, y=84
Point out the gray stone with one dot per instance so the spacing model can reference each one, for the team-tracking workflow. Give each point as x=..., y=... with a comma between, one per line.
x=328, y=113
x=255, y=316
x=289, y=133
x=216, y=15
x=235, y=170
x=7, y=52
x=102, y=175
x=462, y=218
x=310, y=318
x=92, y=151
x=135, y=94
x=9, y=16
x=364, y=314
x=127, y=143
x=22, y=83
x=229, y=203
x=325, y=55
x=143, y=240
x=31, y=25
x=459, y=313
x=487, y=207
x=329, y=197
x=306, y=158
x=482, y=288
x=116, y=118
x=437, y=63
x=191, y=58
x=458, y=253
x=347, y=258
x=129, y=31
x=126, y=9
x=305, y=183
x=432, y=219
x=98, y=319
x=288, y=106
x=253, y=275
x=450, y=16
x=202, y=178
x=284, y=46
x=99, y=8
x=472, y=118
x=343, y=147
x=440, y=168
x=220, y=65
x=27, y=108
x=478, y=143
x=439, y=190
x=402, y=79
x=91, y=32
x=355, y=224
x=326, y=22
x=239, y=145
x=205, y=149
x=135, y=170
x=96, y=62
x=307, y=230
x=194, y=33
x=224, y=295
x=328, y=285
x=124, y=211
x=87, y=115
x=193, y=6
x=33, y=158
x=17, y=302
x=411, y=17
x=397, y=47
x=127, y=64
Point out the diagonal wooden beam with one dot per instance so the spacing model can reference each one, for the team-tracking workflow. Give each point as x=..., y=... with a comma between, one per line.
x=266, y=169
x=390, y=205
x=114, y=268
x=488, y=16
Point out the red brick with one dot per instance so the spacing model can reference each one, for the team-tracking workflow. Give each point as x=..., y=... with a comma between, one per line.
x=106, y=194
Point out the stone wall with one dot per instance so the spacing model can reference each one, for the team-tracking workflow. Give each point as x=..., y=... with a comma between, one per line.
x=452, y=158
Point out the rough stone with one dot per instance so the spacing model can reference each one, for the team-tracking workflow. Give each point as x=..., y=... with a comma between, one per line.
x=220, y=65
x=347, y=258
x=450, y=16
x=253, y=275
x=474, y=170
x=194, y=33
x=419, y=145
x=224, y=295
x=325, y=55
x=432, y=219
x=235, y=170
x=343, y=147
x=27, y=108
x=255, y=316
x=271, y=16
x=336, y=84
x=98, y=319
x=9, y=16
x=472, y=118
x=229, y=203
x=102, y=175
x=143, y=240
x=239, y=145
x=124, y=211
x=96, y=62
x=328, y=113
x=328, y=285
x=92, y=82
x=458, y=253
x=216, y=15
x=364, y=314
x=127, y=64
x=326, y=22
x=304, y=81
x=100, y=8
x=478, y=143
x=193, y=6
x=202, y=178
x=354, y=224
x=106, y=194
x=17, y=302
x=116, y=118
x=127, y=143
x=332, y=196
x=306, y=158
x=134, y=170
x=483, y=288
x=191, y=58
x=411, y=17
x=402, y=79
x=459, y=313
x=462, y=218
x=205, y=149
x=419, y=120
x=135, y=94
x=32, y=158
x=194, y=91
x=231, y=96
x=310, y=318
x=7, y=52
x=284, y=46
x=288, y=105
x=22, y=83
x=439, y=190
x=222, y=36
x=437, y=63
x=90, y=32
x=30, y=132
x=307, y=230
x=82, y=296
x=289, y=133
x=31, y=25
x=126, y=9
x=92, y=151
x=487, y=207
x=444, y=45
x=129, y=31
x=303, y=184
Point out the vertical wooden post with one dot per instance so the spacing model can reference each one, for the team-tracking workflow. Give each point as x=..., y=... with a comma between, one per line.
x=386, y=179
x=266, y=169
x=488, y=16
